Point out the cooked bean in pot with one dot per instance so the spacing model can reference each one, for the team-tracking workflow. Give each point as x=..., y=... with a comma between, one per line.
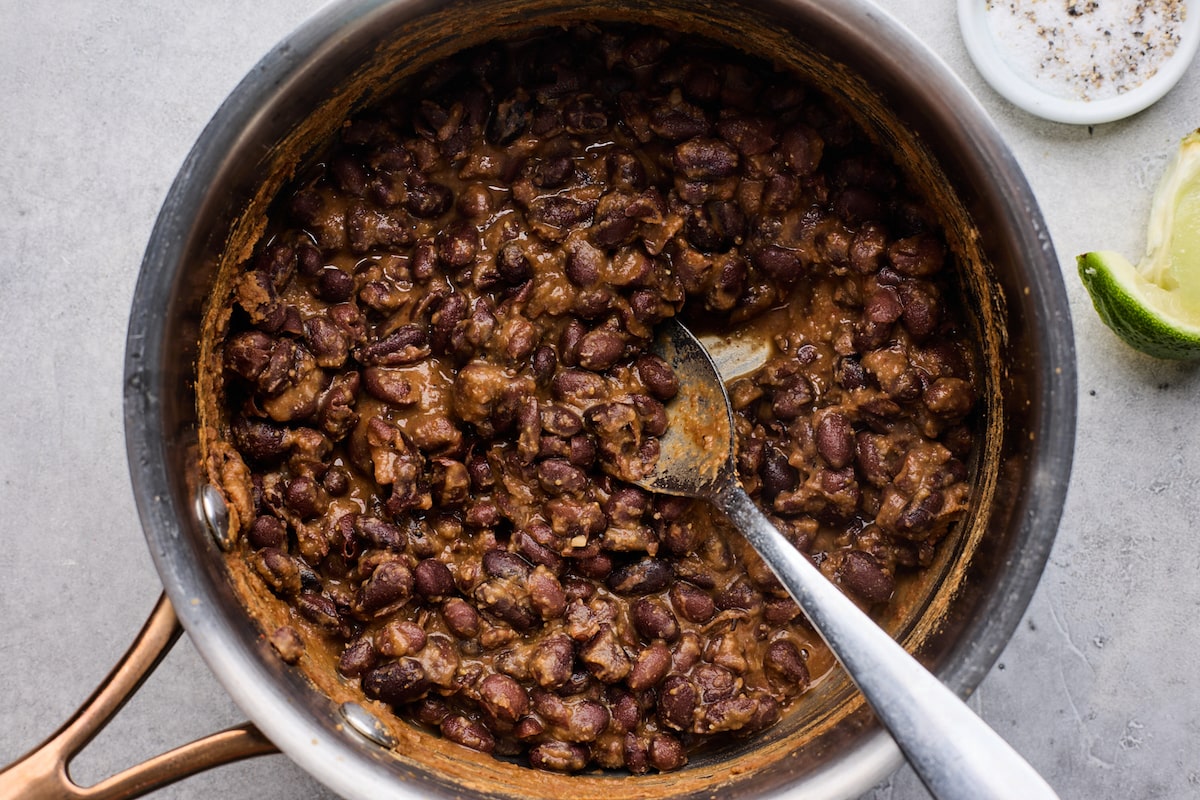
x=437, y=378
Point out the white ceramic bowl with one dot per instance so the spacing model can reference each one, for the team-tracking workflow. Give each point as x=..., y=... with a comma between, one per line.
x=1021, y=92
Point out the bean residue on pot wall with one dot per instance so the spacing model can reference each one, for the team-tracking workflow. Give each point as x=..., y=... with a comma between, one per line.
x=440, y=392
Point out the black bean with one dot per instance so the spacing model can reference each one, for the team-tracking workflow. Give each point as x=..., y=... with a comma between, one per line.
x=666, y=752
x=475, y=202
x=279, y=570
x=780, y=610
x=627, y=504
x=432, y=579
x=458, y=245
x=559, y=476
x=949, y=397
x=585, y=721
x=677, y=698
x=581, y=450
x=600, y=349
x=862, y=574
x=546, y=594
x=577, y=386
x=921, y=311
x=855, y=205
x=677, y=123
x=287, y=642
x=552, y=661
x=552, y=172
x=303, y=496
x=482, y=514
x=835, y=440
x=503, y=564
x=641, y=577
x=781, y=192
x=267, y=531
x=714, y=682
x=461, y=618
x=406, y=345
x=430, y=711
x=560, y=211
x=560, y=420
x=318, y=609
x=513, y=265
x=784, y=659
x=918, y=256
x=604, y=657
x=883, y=306
x=505, y=601
x=793, y=398
x=693, y=604
x=528, y=728
x=729, y=714
x=380, y=533
x=544, y=362
x=428, y=200
x=635, y=753
x=260, y=440
x=654, y=620
x=334, y=285
x=390, y=583
x=777, y=474
x=503, y=698
x=705, y=159
x=740, y=594
x=535, y=552
x=802, y=149
x=397, y=682
x=558, y=756
x=468, y=732
x=780, y=263
x=584, y=264
x=349, y=175
x=327, y=342
x=850, y=374
x=389, y=385
x=306, y=206
x=247, y=353
x=401, y=638
x=597, y=567
x=357, y=658
x=650, y=668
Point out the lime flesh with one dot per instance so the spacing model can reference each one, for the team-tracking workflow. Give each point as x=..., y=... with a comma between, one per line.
x=1155, y=306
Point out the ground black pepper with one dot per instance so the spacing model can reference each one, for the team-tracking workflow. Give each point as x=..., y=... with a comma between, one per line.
x=1087, y=50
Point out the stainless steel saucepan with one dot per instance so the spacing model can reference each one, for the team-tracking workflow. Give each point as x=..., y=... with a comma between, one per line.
x=288, y=105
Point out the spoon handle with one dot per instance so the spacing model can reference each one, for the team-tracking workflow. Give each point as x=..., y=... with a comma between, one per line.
x=953, y=751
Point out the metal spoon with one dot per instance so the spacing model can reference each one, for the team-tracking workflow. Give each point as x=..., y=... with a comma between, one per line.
x=953, y=751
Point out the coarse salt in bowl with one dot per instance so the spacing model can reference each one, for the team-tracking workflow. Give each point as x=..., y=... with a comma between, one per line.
x=1080, y=62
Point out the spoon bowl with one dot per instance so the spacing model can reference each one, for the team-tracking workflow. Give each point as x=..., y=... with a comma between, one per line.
x=952, y=750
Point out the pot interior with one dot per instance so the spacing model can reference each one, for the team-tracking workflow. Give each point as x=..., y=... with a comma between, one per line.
x=355, y=53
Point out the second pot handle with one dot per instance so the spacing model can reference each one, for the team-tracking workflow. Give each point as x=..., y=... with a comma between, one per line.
x=42, y=774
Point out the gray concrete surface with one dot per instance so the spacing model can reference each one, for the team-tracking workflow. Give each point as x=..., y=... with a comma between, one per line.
x=99, y=103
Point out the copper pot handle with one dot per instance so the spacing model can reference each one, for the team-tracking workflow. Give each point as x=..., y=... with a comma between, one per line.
x=42, y=774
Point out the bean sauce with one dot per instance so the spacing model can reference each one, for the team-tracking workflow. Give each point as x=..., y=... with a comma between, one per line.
x=438, y=384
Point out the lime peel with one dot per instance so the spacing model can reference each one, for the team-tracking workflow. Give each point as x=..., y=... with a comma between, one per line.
x=1155, y=306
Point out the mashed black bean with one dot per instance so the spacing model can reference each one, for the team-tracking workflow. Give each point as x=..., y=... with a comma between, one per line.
x=440, y=392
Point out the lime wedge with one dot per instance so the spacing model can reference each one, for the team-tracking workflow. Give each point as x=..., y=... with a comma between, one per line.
x=1155, y=306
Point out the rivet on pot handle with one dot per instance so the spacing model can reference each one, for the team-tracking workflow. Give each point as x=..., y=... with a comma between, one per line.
x=42, y=773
